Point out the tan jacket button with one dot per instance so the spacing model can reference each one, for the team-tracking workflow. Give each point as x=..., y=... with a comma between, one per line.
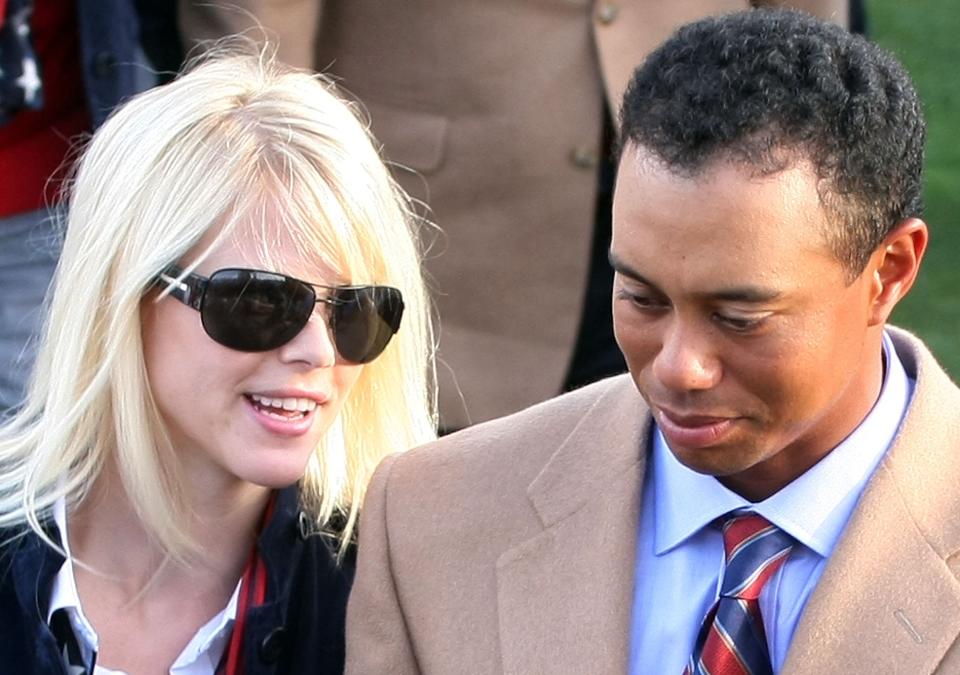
x=584, y=157
x=607, y=13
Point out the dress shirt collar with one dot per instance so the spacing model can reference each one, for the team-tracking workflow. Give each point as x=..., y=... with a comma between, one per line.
x=815, y=507
x=64, y=592
x=201, y=654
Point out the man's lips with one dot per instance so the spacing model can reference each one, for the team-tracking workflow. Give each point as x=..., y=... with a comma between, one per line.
x=693, y=430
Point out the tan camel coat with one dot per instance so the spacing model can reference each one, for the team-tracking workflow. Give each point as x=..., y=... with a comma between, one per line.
x=509, y=547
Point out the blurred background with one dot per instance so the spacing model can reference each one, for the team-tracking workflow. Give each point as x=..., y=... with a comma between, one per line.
x=925, y=35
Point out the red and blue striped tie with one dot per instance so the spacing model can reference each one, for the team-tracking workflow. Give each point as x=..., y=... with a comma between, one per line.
x=732, y=640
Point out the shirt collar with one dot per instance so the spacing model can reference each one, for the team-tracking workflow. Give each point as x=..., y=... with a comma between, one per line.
x=64, y=594
x=208, y=642
x=815, y=507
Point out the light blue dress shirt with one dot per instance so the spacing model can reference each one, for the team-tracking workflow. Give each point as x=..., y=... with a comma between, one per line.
x=680, y=556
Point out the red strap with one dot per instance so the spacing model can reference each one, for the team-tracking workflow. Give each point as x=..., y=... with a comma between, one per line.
x=253, y=592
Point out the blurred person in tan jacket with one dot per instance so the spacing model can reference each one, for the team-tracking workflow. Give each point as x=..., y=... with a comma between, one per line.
x=497, y=115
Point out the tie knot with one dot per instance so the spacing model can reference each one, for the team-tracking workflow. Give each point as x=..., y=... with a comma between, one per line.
x=754, y=549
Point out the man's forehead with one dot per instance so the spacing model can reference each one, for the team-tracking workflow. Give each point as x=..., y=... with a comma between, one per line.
x=755, y=163
x=720, y=231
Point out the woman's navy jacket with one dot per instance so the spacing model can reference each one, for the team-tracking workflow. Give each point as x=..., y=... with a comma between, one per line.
x=299, y=629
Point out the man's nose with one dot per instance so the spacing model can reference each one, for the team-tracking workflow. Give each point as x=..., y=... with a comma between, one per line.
x=687, y=360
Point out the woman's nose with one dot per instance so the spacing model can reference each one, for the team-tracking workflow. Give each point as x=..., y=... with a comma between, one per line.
x=313, y=345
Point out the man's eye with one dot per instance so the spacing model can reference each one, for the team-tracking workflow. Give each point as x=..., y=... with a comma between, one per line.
x=641, y=300
x=741, y=324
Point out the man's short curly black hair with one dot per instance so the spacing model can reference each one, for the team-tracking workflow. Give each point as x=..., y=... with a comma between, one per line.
x=772, y=87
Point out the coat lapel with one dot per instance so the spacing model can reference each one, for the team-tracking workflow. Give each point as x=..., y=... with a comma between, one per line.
x=565, y=595
x=888, y=600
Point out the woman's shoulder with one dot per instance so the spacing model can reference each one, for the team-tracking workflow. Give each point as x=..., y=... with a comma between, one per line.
x=305, y=548
x=313, y=578
x=28, y=565
x=25, y=555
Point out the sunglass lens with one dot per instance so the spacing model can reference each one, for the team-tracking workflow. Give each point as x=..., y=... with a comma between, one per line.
x=364, y=319
x=255, y=311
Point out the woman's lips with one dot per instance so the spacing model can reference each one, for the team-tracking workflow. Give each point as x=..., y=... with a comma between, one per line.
x=283, y=422
x=693, y=431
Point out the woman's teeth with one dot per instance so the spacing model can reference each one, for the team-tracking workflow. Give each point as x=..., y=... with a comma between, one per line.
x=290, y=404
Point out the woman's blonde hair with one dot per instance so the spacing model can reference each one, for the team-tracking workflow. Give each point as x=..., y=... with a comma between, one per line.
x=239, y=139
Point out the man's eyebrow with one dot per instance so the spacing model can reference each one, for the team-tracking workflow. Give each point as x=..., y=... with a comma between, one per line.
x=748, y=294
x=624, y=269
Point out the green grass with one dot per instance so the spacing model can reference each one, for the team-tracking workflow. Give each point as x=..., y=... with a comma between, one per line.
x=924, y=36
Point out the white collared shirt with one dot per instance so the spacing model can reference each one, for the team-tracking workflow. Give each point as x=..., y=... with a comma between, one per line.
x=201, y=655
x=680, y=558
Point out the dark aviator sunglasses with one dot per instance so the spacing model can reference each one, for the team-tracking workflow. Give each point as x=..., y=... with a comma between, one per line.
x=256, y=311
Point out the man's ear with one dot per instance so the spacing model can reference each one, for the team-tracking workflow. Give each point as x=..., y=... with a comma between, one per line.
x=894, y=267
